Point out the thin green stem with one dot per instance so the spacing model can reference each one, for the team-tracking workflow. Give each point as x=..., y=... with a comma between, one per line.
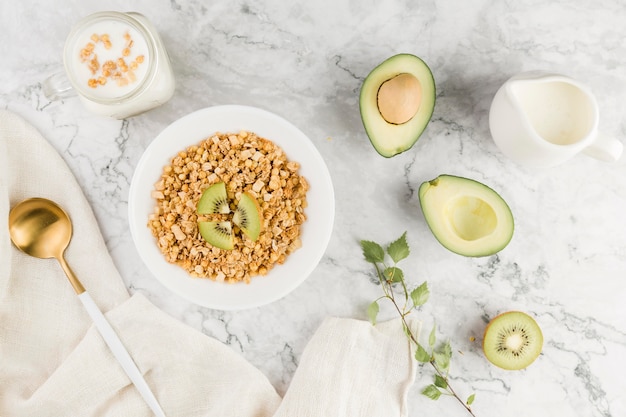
x=406, y=295
x=450, y=389
x=381, y=278
x=401, y=250
x=432, y=362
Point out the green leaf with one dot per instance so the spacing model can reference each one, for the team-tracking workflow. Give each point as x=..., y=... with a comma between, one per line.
x=432, y=339
x=470, y=399
x=372, y=311
x=441, y=382
x=372, y=251
x=442, y=360
x=442, y=356
x=432, y=392
x=399, y=249
x=447, y=349
x=420, y=294
x=421, y=355
x=406, y=330
x=393, y=274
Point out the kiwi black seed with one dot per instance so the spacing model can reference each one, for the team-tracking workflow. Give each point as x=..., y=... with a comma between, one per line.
x=512, y=340
x=214, y=200
x=240, y=218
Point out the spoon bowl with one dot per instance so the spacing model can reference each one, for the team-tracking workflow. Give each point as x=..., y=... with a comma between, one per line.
x=40, y=228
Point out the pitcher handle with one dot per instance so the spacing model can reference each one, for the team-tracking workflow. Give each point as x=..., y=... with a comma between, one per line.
x=57, y=87
x=605, y=148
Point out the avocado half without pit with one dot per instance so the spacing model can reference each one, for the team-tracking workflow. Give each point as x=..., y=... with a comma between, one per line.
x=396, y=103
x=466, y=216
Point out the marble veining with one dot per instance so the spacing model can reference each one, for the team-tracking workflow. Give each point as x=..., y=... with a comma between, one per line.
x=306, y=61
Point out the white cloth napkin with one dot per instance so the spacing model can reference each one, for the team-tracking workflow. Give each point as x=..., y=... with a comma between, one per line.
x=53, y=362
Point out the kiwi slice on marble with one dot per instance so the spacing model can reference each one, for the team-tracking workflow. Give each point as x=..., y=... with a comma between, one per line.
x=512, y=340
x=247, y=216
x=217, y=233
x=214, y=200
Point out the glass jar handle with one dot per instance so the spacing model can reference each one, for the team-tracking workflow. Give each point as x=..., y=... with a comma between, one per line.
x=57, y=87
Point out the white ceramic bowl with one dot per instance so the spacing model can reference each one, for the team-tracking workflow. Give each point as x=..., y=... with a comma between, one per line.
x=315, y=232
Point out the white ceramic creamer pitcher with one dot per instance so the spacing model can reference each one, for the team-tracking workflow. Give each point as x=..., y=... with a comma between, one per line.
x=540, y=119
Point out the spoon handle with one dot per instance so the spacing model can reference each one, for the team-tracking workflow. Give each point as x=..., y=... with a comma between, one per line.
x=120, y=353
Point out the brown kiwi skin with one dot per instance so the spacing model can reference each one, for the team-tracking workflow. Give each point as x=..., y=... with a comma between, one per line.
x=495, y=320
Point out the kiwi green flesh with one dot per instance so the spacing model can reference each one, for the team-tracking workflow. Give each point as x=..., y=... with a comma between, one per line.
x=217, y=233
x=214, y=200
x=247, y=216
x=512, y=340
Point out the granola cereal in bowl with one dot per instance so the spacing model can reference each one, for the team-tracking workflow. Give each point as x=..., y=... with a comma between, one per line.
x=249, y=152
x=244, y=162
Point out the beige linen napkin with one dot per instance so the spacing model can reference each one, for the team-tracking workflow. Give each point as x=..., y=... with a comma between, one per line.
x=53, y=362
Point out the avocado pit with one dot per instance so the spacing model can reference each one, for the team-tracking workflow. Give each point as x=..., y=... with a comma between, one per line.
x=399, y=98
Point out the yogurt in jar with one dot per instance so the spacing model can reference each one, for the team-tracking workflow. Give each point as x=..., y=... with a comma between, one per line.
x=117, y=64
x=110, y=57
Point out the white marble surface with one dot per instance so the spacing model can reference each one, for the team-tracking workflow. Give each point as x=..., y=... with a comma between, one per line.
x=306, y=61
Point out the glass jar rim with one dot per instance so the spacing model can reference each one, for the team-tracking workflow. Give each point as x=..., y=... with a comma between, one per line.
x=103, y=16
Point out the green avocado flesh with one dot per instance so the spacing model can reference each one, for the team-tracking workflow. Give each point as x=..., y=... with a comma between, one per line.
x=415, y=100
x=466, y=216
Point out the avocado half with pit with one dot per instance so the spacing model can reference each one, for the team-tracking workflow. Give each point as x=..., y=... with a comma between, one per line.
x=396, y=103
x=466, y=216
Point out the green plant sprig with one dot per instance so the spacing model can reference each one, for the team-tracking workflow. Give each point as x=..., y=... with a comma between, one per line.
x=389, y=276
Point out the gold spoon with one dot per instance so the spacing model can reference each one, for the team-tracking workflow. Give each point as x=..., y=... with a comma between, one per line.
x=40, y=228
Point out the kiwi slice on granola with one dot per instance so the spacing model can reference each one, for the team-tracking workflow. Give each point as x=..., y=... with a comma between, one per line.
x=214, y=200
x=247, y=216
x=217, y=233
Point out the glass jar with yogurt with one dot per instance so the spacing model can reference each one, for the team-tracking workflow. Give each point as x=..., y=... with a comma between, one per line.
x=117, y=65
